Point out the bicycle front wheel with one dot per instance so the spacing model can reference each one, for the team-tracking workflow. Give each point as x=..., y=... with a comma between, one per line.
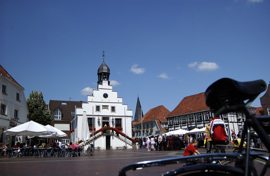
x=206, y=170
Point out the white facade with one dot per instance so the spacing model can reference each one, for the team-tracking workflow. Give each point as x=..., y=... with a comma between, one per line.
x=104, y=108
x=13, y=106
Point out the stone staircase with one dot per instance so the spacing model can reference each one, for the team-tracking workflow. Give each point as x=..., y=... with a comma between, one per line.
x=109, y=131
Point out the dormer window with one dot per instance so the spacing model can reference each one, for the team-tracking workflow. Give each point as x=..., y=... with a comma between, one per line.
x=57, y=114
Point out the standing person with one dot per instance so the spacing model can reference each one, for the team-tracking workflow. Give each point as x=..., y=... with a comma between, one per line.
x=164, y=142
x=147, y=143
x=140, y=142
x=233, y=135
x=152, y=143
x=190, y=139
x=186, y=139
x=218, y=132
x=208, y=137
x=170, y=142
x=143, y=142
x=159, y=142
x=191, y=150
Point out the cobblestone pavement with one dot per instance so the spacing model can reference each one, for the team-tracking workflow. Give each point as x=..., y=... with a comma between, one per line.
x=107, y=162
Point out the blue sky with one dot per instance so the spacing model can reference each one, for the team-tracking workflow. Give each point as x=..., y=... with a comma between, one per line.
x=161, y=51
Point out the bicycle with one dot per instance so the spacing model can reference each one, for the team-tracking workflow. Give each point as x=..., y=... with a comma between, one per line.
x=224, y=96
x=90, y=150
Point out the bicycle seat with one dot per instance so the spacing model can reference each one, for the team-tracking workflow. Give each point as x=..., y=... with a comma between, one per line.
x=228, y=93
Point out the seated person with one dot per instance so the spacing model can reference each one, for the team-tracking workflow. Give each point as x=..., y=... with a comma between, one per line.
x=5, y=147
x=191, y=150
x=71, y=145
x=236, y=143
x=16, y=149
x=77, y=145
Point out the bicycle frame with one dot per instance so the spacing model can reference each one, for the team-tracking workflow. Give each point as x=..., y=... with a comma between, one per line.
x=254, y=122
x=225, y=95
x=240, y=156
x=203, y=160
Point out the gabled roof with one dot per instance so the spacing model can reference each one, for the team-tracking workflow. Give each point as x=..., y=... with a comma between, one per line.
x=67, y=107
x=8, y=76
x=158, y=113
x=190, y=104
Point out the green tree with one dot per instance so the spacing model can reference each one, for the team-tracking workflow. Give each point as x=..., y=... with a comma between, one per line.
x=37, y=108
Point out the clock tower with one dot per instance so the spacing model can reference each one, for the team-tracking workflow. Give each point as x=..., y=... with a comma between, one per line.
x=103, y=110
x=103, y=72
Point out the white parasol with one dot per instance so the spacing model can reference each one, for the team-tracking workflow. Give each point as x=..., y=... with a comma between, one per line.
x=177, y=132
x=196, y=130
x=30, y=128
x=55, y=132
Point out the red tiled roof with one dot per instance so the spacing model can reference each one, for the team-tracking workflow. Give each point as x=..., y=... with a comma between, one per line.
x=67, y=107
x=7, y=75
x=157, y=113
x=190, y=104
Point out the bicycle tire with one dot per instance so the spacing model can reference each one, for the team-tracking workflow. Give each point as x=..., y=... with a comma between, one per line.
x=209, y=174
x=206, y=170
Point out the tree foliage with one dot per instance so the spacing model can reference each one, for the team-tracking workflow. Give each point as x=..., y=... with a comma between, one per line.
x=38, y=110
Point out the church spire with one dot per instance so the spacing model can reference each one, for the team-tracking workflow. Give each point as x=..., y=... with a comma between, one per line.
x=138, y=112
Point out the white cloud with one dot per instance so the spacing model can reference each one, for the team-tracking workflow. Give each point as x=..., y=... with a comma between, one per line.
x=114, y=83
x=87, y=91
x=204, y=66
x=163, y=75
x=135, y=69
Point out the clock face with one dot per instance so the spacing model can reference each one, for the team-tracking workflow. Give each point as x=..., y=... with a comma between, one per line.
x=105, y=95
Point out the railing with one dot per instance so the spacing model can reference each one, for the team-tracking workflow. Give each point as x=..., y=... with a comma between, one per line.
x=104, y=129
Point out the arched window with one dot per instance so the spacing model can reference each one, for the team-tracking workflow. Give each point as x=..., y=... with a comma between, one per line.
x=57, y=114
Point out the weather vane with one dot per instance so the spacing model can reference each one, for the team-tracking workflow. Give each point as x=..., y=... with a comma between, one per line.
x=103, y=55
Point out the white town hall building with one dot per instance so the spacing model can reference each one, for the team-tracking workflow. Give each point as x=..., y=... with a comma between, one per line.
x=109, y=120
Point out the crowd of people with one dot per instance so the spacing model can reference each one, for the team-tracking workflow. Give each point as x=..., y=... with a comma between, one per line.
x=164, y=142
x=41, y=149
x=215, y=135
